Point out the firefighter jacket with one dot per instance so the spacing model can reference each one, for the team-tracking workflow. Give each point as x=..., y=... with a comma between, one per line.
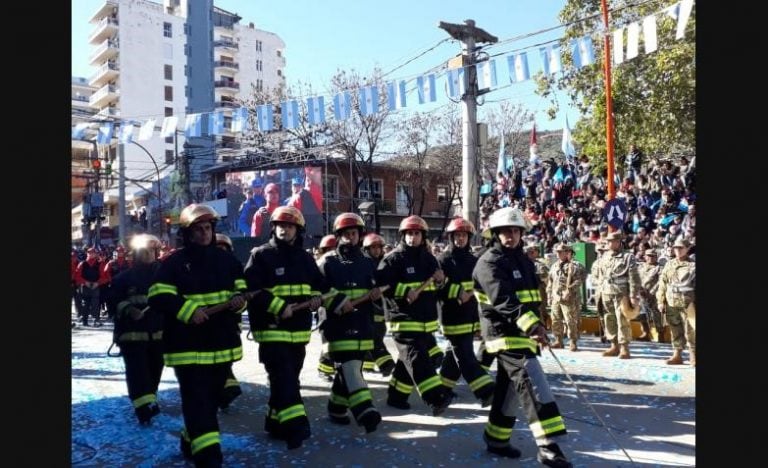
x=618, y=274
x=457, y=318
x=129, y=291
x=189, y=278
x=649, y=278
x=403, y=269
x=351, y=273
x=677, y=283
x=565, y=281
x=284, y=274
x=507, y=289
x=378, y=305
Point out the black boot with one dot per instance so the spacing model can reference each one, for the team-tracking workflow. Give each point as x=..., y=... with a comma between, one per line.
x=228, y=395
x=551, y=455
x=272, y=427
x=209, y=457
x=185, y=446
x=370, y=421
x=387, y=368
x=442, y=404
x=144, y=414
x=506, y=451
x=398, y=403
x=296, y=436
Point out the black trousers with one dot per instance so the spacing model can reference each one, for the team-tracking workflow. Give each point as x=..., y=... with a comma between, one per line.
x=200, y=387
x=380, y=355
x=283, y=363
x=460, y=361
x=485, y=358
x=415, y=368
x=143, y=369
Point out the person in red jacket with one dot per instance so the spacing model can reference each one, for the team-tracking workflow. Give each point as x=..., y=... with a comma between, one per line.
x=111, y=269
x=260, y=224
x=77, y=298
x=89, y=277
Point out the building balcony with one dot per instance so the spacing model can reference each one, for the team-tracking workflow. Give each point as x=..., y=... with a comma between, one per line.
x=226, y=65
x=227, y=104
x=106, y=73
x=105, y=29
x=104, y=96
x=108, y=8
x=108, y=112
x=226, y=85
x=226, y=44
x=107, y=50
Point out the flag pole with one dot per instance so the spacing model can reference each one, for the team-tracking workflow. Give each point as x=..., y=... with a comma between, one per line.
x=608, y=105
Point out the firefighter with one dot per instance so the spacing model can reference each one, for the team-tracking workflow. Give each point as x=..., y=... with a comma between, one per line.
x=619, y=281
x=507, y=288
x=349, y=336
x=565, y=280
x=373, y=247
x=285, y=275
x=325, y=367
x=458, y=314
x=111, y=269
x=200, y=346
x=89, y=276
x=138, y=328
x=676, y=294
x=413, y=276
x=232, y=388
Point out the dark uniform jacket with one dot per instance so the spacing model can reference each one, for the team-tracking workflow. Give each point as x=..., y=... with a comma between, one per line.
x=191, y=277
x=456, y=318
x=403, y=269
x=507, y=288
x=129, y=289
x=284, y=274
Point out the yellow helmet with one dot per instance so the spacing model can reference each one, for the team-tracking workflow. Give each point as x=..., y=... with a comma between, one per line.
x=196, y=213
x=287, y=214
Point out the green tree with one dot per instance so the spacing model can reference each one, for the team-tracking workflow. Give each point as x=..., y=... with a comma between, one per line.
x=654, y=94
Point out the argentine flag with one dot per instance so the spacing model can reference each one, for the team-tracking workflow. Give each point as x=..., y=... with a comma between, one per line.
x=290, y=113
x=518, y=67
x=78, y=132
x=105, y=133
x=456, y=86
x=316, y=110
x=264, y=116
x=216, y=123
x=426, y=86
x=618, y=46
x=550, y=58
x=633, y=40
x=582, y=52
x=486, y=74
x=126, y=132
x=169, y=126
x=193, y=126
x=146, y=130
x=369, y=100
x=239, y=120
x=649, y=34
x=396, y=95
x=341, y=105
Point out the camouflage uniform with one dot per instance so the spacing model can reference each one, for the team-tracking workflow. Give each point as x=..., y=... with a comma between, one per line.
x=649, y=277
x=565, y=299
x=677, y=288
x=618, y=278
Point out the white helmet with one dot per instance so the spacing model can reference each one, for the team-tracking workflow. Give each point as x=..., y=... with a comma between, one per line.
x=506, y=217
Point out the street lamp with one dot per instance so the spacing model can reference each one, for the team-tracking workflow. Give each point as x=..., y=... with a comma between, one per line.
x=157, y=169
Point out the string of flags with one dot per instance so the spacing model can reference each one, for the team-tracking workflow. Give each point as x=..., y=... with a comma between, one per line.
x=314, y=110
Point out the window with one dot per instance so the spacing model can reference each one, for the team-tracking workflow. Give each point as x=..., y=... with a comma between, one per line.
x=168, y=111
x=258, y=46
x=186, y=70
x=169, y=93
x=364, y=192
x=332, y=188
x=258, y=65
x=259, y=85
x=168, y=69
x=279, y=73
x=187, y=29
x=402, y=197
x=186, y=50
x=279, y=54
x=169, y=156
x=167, y=30
x=442, y=193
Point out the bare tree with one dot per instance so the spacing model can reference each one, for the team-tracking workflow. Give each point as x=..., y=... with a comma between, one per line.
x=415, y=135
x=509, y=121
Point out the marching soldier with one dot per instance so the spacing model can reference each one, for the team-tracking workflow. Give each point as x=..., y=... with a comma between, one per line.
x=594, y=273
x=373, y=247
x=458, y=314
x=350, y=335
x=506, y=286
x=619, y=282
x=232, y=388
x=677, y=301
x=650, y=271
x=285, y=276
x=198, y=290
x=566, y=278
x=139, y=328
x=413, y=276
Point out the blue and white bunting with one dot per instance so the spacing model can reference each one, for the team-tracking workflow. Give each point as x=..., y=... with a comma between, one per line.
x=264, y=117
x=583, y=54
x=126, y=132
x=78, y=131
x=341, y=105
x=567, y=144
x=168, y=129
x=426, y=87
x=216, y=123
x=618, y=46
x=682, y=18
x=104, y=136
x=193, y=126
x=486, y=74
x=146, y=130
x=396, y=95
x=369, y=100
x=550, y=59
x=649, y=34
x=518, y=67
x=316, y=110
x=289, y=112
x=456, y=86
x=633, y=40
x=239, y=120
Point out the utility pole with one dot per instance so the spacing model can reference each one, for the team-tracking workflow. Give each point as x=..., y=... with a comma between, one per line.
x=469, y=35
x=121, y=192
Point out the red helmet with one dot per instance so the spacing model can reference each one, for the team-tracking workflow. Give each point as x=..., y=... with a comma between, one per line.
x=328, y=242
x=348, y=220
x=373, y=239
x=459, y=224
x=413, y=222
x=287, y=214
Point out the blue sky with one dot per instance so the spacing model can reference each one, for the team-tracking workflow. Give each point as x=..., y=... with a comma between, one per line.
x=323, y=37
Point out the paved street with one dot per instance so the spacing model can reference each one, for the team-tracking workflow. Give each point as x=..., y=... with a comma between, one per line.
x=648, y=406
